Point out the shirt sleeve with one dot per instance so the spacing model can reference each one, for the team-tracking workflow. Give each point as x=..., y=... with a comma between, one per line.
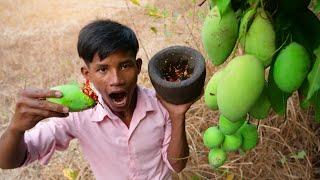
x=167, y=138
x=48, y=136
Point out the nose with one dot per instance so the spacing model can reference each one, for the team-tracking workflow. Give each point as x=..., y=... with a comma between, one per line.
x=116, y=78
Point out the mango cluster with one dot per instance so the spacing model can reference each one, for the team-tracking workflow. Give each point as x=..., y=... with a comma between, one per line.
x=278, y=45
x=229, y=136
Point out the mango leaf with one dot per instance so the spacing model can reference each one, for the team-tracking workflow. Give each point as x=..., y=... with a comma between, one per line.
x=212, y=3
x=136, y=2
x=278, y=98
x=251, y=2
x=245, y=24
x=223, y=6
x=316, y=104
x=305, y=30
x=317, y=6
x=314, y=78
x=303, y=92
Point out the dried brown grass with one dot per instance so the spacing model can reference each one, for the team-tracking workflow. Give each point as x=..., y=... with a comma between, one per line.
x=38, y=49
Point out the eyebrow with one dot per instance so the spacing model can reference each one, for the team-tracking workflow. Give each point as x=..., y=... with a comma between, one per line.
x=121, y=62
x=126, y=61
x=101, y=65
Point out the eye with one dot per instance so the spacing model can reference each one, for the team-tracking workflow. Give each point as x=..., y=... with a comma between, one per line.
x=102, y=70
x=125, y=66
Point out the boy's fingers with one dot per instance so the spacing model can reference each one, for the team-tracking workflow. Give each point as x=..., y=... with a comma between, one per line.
x=40, y=93
x=45, y=113
x=46, y=105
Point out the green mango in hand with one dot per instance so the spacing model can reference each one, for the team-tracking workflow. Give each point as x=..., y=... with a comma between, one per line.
x=75, y=96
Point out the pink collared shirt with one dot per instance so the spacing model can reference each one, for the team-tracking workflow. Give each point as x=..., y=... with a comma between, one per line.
x=113, y=150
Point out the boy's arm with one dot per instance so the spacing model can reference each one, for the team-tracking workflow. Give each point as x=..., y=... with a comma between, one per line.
x=178, y=150
x=31, y=108
x=12, y=149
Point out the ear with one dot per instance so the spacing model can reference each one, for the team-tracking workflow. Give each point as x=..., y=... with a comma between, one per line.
x=85, y=72
x=139, y=64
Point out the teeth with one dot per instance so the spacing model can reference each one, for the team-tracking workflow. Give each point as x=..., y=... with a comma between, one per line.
x=118, y=97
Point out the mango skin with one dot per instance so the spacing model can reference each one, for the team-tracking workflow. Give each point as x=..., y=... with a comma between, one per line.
x=250, y=136
x=210, y=92
x=261, y=38
x=219, y=35
x=261, y=108
x=213, y=137
x=217, y=157
x=291, y=67
x=245, y=23
x=228, y=127
x=232, y=142
x=72, y=97
x=240, y=87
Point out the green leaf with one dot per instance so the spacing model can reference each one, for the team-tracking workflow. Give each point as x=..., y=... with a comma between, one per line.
x=303, y=92
x=212, y=3
x=314, y=78
x=299, y=155
x=154, y=29
x=316, y=52
x=278, y=98
x=317, y=6
x=251, y=2
x=223, y=6
x=245, y=24
x=195, y=177
x=156, y=12
x=316, y=103
x=70, y=174
x=136, y=2
x=283, y=160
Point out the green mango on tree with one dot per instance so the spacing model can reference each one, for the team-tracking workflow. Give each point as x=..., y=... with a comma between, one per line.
x=241, y=86
x=219, y=34
x=260, y=40
x=210, y=92
x=291, y=67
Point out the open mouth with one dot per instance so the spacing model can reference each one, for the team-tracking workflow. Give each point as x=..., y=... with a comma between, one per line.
x=118, y=98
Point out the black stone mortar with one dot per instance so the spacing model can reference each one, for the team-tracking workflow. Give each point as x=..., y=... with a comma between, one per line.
x=181, y=91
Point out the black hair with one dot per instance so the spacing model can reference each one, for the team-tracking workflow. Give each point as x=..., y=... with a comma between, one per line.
x=105, y=37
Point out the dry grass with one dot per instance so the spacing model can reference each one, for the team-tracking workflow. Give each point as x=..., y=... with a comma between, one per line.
x=38, y=49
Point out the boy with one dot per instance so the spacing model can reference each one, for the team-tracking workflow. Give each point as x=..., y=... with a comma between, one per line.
x=132, y=134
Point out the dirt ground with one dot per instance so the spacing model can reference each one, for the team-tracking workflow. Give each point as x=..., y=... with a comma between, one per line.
x=38, y=49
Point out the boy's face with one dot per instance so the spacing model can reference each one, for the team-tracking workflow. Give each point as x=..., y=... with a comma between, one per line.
x=115, y=77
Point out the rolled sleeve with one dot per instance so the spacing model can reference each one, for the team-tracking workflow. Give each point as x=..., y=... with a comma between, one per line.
x=48, y=136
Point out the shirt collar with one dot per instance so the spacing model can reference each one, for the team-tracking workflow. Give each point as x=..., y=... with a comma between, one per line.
x=143, y=103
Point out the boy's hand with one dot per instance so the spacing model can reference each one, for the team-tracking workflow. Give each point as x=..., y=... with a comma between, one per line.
x=177, y=110
x=32, y=107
